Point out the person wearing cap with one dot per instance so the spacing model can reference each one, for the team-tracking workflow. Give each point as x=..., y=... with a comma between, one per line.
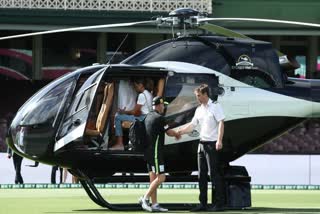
x=155, y=128
x=210, y=117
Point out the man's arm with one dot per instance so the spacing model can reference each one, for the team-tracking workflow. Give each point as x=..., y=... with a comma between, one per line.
x=220, y=135
x=186, y=129
x=136, y=111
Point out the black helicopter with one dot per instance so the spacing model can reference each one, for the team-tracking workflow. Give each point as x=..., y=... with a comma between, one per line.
x=70, y=121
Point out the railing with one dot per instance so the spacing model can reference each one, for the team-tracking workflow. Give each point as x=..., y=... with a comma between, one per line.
x=110, y=5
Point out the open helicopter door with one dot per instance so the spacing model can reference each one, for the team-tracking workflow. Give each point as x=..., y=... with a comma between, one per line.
x=125, y=97
x=75, y=120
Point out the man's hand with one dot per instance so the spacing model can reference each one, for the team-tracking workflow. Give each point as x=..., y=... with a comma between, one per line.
x=219, y=145
x=177, y=136
x=122, y=111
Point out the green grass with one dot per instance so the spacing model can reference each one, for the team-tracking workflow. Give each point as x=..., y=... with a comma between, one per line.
x=60, y=201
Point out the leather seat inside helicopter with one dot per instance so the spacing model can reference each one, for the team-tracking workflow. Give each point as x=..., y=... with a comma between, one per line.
x=96, y=132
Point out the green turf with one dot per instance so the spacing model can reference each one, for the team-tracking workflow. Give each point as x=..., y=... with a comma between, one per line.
x=60, y=201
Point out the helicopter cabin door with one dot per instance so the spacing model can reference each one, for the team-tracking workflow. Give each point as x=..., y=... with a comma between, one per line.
x=75, y=120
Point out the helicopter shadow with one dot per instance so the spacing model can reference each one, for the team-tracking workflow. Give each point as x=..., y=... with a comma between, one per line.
x=104, y=210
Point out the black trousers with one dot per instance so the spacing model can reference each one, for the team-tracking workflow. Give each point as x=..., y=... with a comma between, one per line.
x=54, y=172
x=17, y=160
x=208, y=161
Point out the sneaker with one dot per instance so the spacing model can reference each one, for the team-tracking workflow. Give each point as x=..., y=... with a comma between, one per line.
x=158, y=208
x=145, y=204
x=147, y=200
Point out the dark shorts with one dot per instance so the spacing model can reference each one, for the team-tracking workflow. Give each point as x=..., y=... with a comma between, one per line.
x=155, y=162
x=154, y=168
x=154, y=157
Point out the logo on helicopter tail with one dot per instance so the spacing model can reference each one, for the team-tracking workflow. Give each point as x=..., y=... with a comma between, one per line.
x=244, y=62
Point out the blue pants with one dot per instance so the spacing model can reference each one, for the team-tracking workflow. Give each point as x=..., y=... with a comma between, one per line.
x=124, y=117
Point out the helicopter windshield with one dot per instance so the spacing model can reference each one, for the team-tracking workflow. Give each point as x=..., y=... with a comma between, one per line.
x=34, y=126
x=47, y=108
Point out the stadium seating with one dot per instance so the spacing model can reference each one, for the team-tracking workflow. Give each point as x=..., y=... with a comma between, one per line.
x=303, y=139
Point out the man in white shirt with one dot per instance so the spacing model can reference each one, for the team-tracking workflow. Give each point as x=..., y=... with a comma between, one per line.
x=128, y=95
x=209, y=115
x=140, y=110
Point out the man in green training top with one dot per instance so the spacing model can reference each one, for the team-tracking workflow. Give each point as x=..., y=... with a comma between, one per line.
x=155, y=128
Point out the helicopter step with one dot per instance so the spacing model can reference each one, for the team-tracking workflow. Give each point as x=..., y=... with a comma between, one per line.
x=238, y=194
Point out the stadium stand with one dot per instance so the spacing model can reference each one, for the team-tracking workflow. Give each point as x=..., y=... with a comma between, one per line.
x=3, y=130
x=303, y=139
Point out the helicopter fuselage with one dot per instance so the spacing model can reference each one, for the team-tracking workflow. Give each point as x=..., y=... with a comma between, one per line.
x=245, y=76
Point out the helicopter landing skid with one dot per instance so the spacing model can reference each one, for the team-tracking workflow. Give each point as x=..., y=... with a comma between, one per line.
x=96, y=197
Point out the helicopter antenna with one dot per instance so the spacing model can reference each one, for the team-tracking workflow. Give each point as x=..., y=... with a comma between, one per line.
x=172, y=31
x=125, y=38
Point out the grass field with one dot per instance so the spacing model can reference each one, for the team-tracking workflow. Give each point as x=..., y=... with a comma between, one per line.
x=66, y=201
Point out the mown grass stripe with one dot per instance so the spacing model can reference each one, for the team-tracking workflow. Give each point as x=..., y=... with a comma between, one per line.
x=146, y=185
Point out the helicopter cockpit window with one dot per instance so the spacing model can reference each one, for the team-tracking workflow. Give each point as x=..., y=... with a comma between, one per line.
x=194, y=52
x=180, y=95
x=47, y=109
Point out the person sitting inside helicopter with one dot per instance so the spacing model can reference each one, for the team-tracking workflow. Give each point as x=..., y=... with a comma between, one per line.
x=142, y=107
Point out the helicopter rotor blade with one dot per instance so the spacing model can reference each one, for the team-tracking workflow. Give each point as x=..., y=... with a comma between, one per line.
x=261, y=20
x=222, y=31
x=77, y=29
x=283, y=59
x=229, y=33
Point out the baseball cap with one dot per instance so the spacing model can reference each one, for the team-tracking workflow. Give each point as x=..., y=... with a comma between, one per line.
x=158, y=100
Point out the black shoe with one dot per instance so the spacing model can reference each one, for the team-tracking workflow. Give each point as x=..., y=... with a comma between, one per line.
x=199, y=208
x=216, y=209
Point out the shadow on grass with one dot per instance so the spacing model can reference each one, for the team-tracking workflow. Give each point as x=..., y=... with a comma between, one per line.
x=250, y=210
x=103, y=210
x=276, y=210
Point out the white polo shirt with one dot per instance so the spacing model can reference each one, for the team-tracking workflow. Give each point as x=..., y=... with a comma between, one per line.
x=145, y=99
x=208, y=117
x=127, y=95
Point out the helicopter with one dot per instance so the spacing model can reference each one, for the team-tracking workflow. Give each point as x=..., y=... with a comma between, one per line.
x=70, y=121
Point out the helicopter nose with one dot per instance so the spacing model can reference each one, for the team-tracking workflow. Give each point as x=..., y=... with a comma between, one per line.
x=31, y=141
x=15, y=140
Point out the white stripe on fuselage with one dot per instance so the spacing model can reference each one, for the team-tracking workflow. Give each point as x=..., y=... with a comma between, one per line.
x=246, y=101
x=70, y=137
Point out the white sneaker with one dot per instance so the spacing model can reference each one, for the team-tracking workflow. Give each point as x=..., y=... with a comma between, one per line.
x=147, y=200
x=158, y=208
x=145, y=204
